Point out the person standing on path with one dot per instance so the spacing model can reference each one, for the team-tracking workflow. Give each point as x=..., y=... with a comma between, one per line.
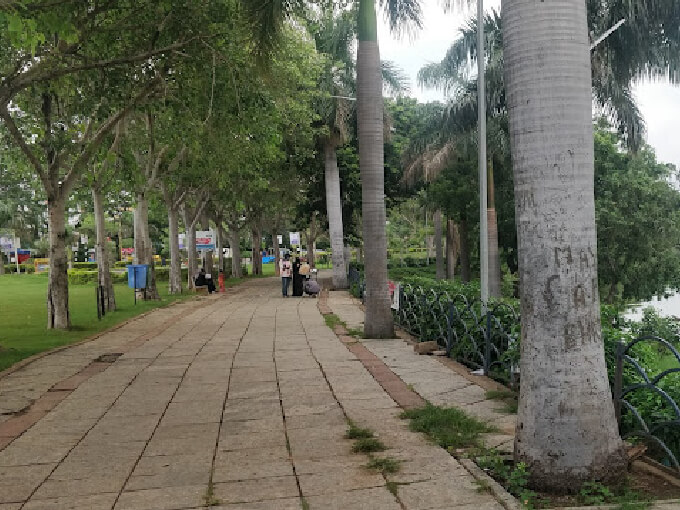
x=297, y=278
x=285, y=269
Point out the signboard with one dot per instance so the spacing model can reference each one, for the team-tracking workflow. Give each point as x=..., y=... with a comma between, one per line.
x=41, y=265
x=181, y=238
x=7, y=243
x=295, y=238
x=205, y=240
x=83, y=239
x=280, y=239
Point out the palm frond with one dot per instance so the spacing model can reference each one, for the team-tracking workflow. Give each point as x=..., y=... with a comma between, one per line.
x=395, y=80
x=267, y=18
x=403, y=15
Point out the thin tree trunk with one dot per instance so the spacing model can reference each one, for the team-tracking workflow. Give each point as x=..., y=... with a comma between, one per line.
x=277, y=254
x=192, y=255
x=492, y=237
x=311, y=241
x=143, y=248
x=439, y=252
x=208, y=255
x=235, y=244
x=378, y=320
x=464, y=252
x=57, y=286
x=334, y=212
x=2, y=263
x=102, y=252
x=256, y=252
x=566, y=430
x=175, y=279
x=452, y=248
x=220, y=248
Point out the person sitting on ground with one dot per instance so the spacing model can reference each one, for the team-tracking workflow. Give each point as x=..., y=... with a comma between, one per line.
x=312, y=288
x=204, y=280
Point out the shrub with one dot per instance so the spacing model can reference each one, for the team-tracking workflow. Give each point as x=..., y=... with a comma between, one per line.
x=23, y=268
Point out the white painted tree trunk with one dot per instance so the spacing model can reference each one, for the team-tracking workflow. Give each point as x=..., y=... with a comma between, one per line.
x=235, y=244
x=102, y=252
x=143, y=247
x=57, y=286
x=378, y=320
x=439, y=252
x=334, y=212
x=566, y=430
x=175, y=277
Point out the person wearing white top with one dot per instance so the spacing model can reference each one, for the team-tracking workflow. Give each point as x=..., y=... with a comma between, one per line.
x=286, y=269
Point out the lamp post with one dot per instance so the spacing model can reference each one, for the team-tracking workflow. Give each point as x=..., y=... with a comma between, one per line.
x=481, y=136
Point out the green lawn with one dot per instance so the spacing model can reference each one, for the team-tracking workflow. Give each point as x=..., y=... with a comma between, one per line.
x=23, y=314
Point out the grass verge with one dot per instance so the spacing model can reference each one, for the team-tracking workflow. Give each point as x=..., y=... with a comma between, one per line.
x=384, y=465
x=23, y=314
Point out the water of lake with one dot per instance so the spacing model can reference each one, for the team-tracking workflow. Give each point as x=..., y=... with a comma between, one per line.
x=665, y=306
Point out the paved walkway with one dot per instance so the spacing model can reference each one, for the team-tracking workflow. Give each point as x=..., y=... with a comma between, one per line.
x=237, y=402
x=437, y=379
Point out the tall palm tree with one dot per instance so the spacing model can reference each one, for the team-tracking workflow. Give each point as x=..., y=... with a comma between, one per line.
x=335, y=33
x=566, y=430
x=268, y=17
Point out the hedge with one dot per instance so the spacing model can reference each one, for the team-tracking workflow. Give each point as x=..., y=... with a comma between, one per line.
x=84, y=276
x=24, y=268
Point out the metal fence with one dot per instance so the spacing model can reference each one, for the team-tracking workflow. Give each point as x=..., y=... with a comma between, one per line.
x=646, y=405
x=646, y=409
x=486, y=342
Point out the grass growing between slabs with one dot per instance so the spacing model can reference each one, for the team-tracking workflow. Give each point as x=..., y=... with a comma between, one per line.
x=23, y=314
x=448, y=427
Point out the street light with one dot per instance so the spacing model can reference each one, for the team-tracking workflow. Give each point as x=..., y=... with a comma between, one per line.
x=481, y=127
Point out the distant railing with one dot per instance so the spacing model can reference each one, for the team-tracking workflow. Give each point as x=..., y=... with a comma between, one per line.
x=646, y=409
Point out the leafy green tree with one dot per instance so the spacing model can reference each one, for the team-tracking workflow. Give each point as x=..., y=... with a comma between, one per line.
x=638, y=221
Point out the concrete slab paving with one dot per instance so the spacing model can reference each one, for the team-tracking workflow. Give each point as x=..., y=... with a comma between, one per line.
x=240, y=403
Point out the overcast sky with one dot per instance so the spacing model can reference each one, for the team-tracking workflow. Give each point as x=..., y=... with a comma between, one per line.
x=658, y=102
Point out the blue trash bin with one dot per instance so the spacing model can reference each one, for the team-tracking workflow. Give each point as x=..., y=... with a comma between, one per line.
x=137, y=276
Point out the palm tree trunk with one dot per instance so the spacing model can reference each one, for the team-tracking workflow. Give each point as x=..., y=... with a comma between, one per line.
x=334, y=211
x=378, y=320
x=452, y=242
x=492, y=237
x=464, y=252
x=566, y=429
x=311, y=241
x=439, y=253
x=102, y=252
x=57, y=286
x=175, y=278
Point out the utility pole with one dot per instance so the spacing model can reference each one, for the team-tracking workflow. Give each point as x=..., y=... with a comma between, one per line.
x=481, y=126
